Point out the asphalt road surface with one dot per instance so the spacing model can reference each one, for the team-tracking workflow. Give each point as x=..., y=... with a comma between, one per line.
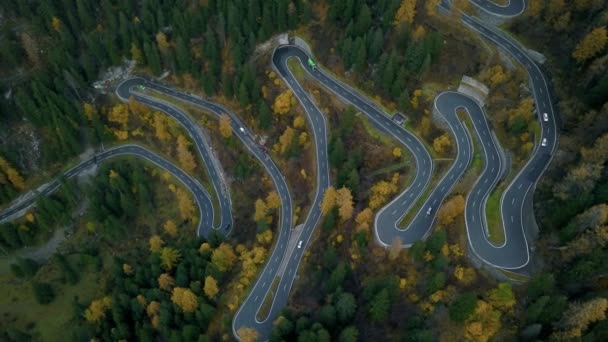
x=511, y=9
x=201, y=196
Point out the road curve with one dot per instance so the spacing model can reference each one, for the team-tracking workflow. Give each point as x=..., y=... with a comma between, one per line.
x=511, y=9
x=201, y=197
x=127, y=89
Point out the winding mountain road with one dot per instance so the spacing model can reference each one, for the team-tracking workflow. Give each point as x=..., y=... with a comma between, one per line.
x=282, y=265
x=201, y=197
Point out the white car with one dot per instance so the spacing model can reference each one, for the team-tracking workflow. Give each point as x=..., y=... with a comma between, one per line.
x=545, y=117
x=543, y=142
x=300, y=244
x=242, y=130
x=429, y=210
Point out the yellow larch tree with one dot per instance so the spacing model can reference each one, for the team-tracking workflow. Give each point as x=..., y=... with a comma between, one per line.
x=380, y=192
x=224, y=126
x=484, y=323
x=579, y=316
x=364, y=219
x=184, y=156
x=282, y=103
x=169, y=257
x=419, y=33
x=265, y=237
x=166, y=282
x=119, y=114
x=184, y=203
x=89, y=111
x=210, y=287
x=442, y=143
x=285, y=139
x=223, y=257
x=298, y=122
x=56, y=23
x=261, y=209
x=12, y=174
x=156, y=243
x=451, y=209
x=430, y=7
x=344, y=200
x=162, y=42
x=247, y=334
x=406, y=12
x=170, y=228
x=397, y=153
x=273, y=201
x=185, y=299
x=97, y=309
x=329, y=200
x=161, y=129
x=127, y=269
x=592, y=44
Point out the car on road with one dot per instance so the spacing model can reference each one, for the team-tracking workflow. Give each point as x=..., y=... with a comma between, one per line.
x=543, y=142
x=545, y=117
x=300, y=244
x=242, y=129
x=429, y=211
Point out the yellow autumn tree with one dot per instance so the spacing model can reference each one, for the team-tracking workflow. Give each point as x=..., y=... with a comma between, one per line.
x=285, y=139
x=138, y=108
x=329, y=200
x=419, y=33
x=12, y=174
x=282, y=103
x=166, y=282
x=406, y=12
x=450, y=210
x=344, y=200
x=223, y=257
x=364, y=219
x=224, y=126
x=430, y=7
x=442, y=143
x=397, y=153
x=185, y=299
x=502, y=297
x=273, y=201
x=97, y=309
x=170, y=228
x=247, y=334
x=184, y=156
x=56, y=23
x=380, y=192
x=579, y=316
x=162, y=42
x=210, y=287
x=156, y=243
x=265, y=237
x=169, y=257
x=161, y=129
x=484, y=323
x=119, y=114
x=592, y=44
x=127, y=269
x=298, y=122
x=260, y=210
x=184, y=203
x=465, y=275
x=89, y=111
